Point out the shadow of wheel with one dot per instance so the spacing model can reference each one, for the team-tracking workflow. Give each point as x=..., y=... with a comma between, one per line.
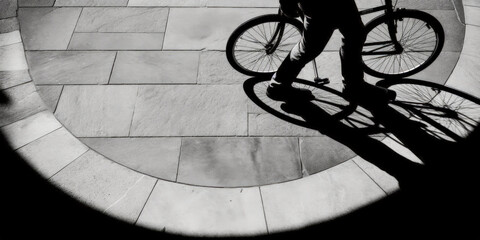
x=328, y=99
x=445, y=113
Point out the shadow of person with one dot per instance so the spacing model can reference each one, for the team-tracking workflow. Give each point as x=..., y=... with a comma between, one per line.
x=4, y=99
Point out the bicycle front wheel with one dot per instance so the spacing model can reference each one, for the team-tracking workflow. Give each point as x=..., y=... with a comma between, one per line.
x=419, y=40
x=258, y=46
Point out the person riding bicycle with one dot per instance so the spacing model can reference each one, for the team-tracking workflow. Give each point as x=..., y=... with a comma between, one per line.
x=321, y=18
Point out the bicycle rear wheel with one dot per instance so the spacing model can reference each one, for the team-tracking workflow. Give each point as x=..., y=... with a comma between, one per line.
x=258, y=46
x=420, y=39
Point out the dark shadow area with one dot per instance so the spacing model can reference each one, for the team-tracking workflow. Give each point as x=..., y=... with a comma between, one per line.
x=435, y=199
x=4, y=98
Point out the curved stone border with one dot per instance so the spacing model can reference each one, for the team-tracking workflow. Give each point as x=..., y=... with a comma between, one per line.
x=104, y=185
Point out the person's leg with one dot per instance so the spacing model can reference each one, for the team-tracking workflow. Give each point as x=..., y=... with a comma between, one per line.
x=353, y=31
x=314, y=39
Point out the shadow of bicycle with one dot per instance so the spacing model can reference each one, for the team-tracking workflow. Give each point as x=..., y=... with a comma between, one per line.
x=440, y=125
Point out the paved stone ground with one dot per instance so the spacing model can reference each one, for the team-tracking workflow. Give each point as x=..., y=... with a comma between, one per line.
x=146, y=84
x=118, y=74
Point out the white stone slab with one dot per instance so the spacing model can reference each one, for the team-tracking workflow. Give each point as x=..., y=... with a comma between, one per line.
x=97, y=111
x=141, y=20
x=70, y=67
x=60, y=3
x=51, y=153
x=159, y=67
x=198, y=211
x=47, y=28
x=167, y=3
x=187, y=110
x=12, y=57
x=105, y=185
x=10, y=38
x=116, y=41
x=318, y=198
x=205, y=28
x=29, y=129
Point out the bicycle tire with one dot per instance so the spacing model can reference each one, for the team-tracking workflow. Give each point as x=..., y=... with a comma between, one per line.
x=412, y=59
x=269, y=22
x=447, y=113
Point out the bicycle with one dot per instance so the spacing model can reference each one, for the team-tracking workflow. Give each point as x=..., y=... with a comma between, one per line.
x=399, y=43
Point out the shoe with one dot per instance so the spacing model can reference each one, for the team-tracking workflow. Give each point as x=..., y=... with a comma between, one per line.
x=369, y=94
x=283, y=92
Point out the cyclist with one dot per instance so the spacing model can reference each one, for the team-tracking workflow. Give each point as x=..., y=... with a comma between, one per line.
x=321, y=19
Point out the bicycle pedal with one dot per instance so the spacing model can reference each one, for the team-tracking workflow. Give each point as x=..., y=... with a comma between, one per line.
x=322, y=81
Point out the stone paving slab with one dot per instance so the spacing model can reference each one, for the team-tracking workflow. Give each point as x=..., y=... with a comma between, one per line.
x=199, y=28
x=471, y=3
x=318, y=198
x=13, y=78
x=471, y=45
x=157, y=67
x=238, y=162
x=387, y=182
x=112, y=19
x=9, y=8
x=105, y=185
x=116, y=41
x=29, y=129
x=50, y=95
x=198, y=211
x=70, y=67
x=215, y=69
x=321, y=153
x=53, y=152
x=8, y=25
x=426, y=5
x=167, y=3
x=265, y=124
x=157, y=157
x=60, y=3
x=186, y=110
x=454, y=30
x=10, y=38
x=97, y=111
x=47, y=28
x=472, y=17
x=36, y=3
x=440, y=70
x=24, y=102
x=466, y=75
x=12, y=57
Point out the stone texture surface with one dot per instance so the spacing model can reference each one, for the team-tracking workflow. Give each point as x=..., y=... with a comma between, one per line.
x=29, y=129
x=167, y=3
x=190, y=111
x=321, y=153
x=472, y=45
x=50, y=95
x=197, y=211
x=155, y=67
x=13, y=78
x=266, y=124
x=199, y=28
x=116, y=41
x=454, y=30
x=36, y=3
x=426, y=5
x=320, y=197
x=51, y=153
x=59, y=3
x=12, y=58
x=105, y=185
x=70, y=67
x=47, y=28
x=24, y=102
x=157, y=157
x=10, y=38
x=215, y=69
x=471, y=3
x=441, y=68
x=466, y=76
x=239, y=162
x=122, y=20
x=387, y=182
x=9, y=8
x=472, y=17
x=97, y=111
x=8, y=25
